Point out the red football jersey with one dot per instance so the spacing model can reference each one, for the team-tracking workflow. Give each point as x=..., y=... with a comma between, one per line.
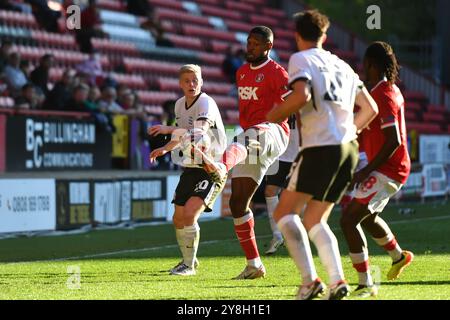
x=391, y=105
x=260, y=88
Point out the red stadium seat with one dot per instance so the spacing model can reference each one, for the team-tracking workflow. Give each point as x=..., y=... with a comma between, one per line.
x=156, y=97
x=240, y=6
x=173, y=4
x=209, y=33
x=437, y=109
x=412, y=106
x=430, y=128
x=220, y=12
x=180, y=16
x=434, y=117
x=185, y=42
x=411, y=116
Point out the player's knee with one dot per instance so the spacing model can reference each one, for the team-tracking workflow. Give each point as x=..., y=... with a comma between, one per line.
x=238, y=205
x=178, y=221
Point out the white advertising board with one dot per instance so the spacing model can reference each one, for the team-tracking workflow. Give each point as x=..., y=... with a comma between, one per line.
x=27, y=205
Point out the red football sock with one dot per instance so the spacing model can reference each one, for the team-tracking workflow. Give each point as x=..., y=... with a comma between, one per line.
x=234, y=154
x=246, y=235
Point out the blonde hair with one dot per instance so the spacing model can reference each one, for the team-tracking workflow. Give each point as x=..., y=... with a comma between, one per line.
x=191, y=68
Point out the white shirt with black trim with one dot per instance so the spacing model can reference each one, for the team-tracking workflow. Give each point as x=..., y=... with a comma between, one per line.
x=327, y=119
x=203, y=108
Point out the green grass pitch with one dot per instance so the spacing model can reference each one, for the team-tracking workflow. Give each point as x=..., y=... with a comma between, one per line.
x=133, y=263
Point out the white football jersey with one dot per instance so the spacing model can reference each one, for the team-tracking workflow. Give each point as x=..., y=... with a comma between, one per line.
x=293, y=147
x=327, y=119
x=203, y=108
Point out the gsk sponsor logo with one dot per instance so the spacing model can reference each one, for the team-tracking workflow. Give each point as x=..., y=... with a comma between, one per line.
x=248, y=93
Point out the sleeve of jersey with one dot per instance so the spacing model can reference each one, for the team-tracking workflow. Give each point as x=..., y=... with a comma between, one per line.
x=298, y=69
x=205, y=110
x=388, y=110
x=282, y=84
x=359, y=85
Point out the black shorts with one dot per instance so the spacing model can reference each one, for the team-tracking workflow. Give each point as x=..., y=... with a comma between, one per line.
x=324, y=172
x=279, y=179
x=195, y=182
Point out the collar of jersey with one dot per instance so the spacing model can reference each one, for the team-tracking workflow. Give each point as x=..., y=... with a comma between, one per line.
x=381, y=81
x=260, y=66
x=193, y=102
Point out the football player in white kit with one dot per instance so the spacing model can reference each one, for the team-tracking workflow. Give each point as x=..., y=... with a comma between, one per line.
x=324, y=90
x=276, y=181
x=196, y=115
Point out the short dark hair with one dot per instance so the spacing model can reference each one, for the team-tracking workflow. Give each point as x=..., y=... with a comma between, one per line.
x=383, y=57
x=311, y=24
x=263, y=31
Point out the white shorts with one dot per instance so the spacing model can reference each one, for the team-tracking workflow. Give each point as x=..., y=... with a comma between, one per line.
x=273, y=142
x=376, y=191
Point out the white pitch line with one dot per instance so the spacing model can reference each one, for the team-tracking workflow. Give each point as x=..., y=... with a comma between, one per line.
x=111, y=253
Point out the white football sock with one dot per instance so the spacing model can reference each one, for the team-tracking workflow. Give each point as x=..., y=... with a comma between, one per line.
x=297, y=243
x=364, y=278
x=179, y=233
x=191, y=238
x=271, y=205
x=328, y=249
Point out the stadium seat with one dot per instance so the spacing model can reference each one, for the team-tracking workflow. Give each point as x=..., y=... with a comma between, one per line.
x=430, y=128
x=172, y=4
x=411, y=116
x=434, y=117
x=240, y=6
x=181, y=17
x=155, y=97
x=415, y=96
x=111, y=5
x=220, y=12
x=6, y=102
x=437, y=109
x=185, y=41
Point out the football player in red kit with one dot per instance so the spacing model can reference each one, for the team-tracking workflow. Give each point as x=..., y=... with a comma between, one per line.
x=387, y=170
x=262, y=83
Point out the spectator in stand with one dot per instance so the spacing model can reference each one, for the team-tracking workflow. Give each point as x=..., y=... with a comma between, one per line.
x=46, y=17
x=91, y=68
x=139, y=7
x=78, y=100
x=232, y=62
x=7, y=5
x=60, y=95
x=28, y=99
x=104, y=120
x=26, y=67
x=14, y=77
x=5, y=51
x=108, y=101
x=89, y=27
x=39, y=77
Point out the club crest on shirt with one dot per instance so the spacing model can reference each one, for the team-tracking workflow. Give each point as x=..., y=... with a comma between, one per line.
x=259, y=77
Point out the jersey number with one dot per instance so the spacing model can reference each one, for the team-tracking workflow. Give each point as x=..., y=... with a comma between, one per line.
x=334, y=91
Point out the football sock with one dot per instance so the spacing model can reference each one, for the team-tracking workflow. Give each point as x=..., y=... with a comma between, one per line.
x=233, y=155
x=389, y=243
x=328, y=249
x=298, y=246
x=179, y=233
x=245, y=232
x=271, y=205
x=361, y=264
x=191, y=238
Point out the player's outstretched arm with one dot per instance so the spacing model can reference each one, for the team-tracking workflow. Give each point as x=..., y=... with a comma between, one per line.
x=368, y=109
x=171, y=145
x=296, y=100
x=160, y=129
